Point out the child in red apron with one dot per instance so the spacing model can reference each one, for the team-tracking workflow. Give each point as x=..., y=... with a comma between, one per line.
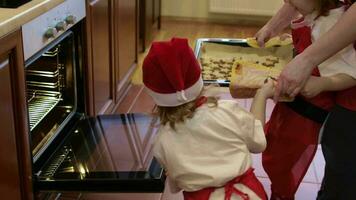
x=293, y=130
x=203, y=143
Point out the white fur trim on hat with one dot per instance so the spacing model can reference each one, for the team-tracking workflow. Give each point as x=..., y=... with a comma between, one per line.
x=179, y=97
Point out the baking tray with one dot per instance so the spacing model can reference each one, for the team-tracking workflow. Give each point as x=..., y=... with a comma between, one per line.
x=224, y=61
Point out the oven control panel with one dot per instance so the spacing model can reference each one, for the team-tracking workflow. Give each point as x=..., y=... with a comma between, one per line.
x=39, y=32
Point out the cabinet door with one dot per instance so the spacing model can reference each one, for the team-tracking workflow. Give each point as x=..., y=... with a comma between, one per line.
x=125, y=32
x=10, y=180
x=150, y=15
x=15, y=158
x=157, y=12
x=100, y=53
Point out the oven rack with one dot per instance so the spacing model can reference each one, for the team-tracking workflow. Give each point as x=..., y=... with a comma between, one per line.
x=40, y=103
x=52, y=53
x=57, y=162
x=48, y=73
x=50, y=85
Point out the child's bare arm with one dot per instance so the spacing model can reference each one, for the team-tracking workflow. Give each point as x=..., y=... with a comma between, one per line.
x=337, y=82
x=258, y=107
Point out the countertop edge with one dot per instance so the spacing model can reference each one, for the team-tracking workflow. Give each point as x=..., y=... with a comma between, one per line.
x=24, y=14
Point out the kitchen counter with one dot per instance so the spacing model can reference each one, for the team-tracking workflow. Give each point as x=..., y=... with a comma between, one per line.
x=12, y=19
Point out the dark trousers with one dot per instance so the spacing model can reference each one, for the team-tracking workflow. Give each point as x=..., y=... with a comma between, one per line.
x=339, y=149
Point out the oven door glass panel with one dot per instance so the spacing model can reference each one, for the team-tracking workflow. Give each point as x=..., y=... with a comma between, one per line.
x=51, y=91
x=103, y=154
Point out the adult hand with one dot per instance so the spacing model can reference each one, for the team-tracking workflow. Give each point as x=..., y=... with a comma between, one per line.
x=293, y=78
x=263, y=35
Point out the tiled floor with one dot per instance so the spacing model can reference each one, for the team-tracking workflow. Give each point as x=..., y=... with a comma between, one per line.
x=137, y=100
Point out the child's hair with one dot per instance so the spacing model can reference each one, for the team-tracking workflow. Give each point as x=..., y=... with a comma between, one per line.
x=173, y=115
x=323, y=6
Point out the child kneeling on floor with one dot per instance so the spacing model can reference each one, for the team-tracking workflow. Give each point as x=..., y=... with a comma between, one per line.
x=203, y=143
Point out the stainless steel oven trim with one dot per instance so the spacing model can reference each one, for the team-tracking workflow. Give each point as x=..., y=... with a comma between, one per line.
x=68, y=33
x=200, y=41
x=33, y=32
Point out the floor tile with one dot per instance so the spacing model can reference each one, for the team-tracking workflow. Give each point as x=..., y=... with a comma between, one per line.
x=269, y=108
x=144, y=104
x=130, y=98
x=121, y=196
x=310, y=176
x=307, y=191
x=319, y=164
x=257, y=165
x=266, y=185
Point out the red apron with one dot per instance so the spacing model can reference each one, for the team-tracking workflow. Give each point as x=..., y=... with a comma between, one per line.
x=248, y=179
x=292, y=138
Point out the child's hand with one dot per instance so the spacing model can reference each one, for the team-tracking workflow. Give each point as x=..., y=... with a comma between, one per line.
x=267, y=89
x=313, y=87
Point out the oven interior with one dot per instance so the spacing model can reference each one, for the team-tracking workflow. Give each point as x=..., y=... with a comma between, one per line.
x=74, y=152
x=51, y=91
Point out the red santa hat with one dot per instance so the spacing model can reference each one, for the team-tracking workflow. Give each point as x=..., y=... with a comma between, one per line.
x=171, y=73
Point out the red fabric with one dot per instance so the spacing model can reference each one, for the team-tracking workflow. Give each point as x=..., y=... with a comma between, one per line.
x=347, y=98
x=248, y=179
x=291, y=138
x=170, y=66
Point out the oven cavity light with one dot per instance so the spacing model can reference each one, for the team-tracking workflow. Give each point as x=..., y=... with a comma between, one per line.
x=82, y=171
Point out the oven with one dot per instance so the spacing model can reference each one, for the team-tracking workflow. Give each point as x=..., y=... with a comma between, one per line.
x=71, y=151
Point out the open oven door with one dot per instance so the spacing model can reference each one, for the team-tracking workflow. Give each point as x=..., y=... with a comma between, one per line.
x=108, y=153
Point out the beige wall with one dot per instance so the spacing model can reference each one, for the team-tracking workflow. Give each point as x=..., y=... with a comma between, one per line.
x=200, y=9
x=185, y=8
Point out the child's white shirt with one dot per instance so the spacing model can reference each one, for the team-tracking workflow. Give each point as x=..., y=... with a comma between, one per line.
x=345, y=60
x=211, y=148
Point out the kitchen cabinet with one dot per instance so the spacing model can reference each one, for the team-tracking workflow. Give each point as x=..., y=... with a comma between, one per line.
x=15, y=159
x=149, y=22
x=112, y=51
x=124, y=14
x=100, y=79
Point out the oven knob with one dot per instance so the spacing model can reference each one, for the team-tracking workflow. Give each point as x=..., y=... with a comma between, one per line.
x=61, y=26
x=70, y=19
x=50, y=33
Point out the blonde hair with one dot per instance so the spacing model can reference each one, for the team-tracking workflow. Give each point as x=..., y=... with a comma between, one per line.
x=177, y=114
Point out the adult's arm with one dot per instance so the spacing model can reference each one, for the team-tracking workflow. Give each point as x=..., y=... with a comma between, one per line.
x=337, y=82
x=296, y=73
x=276, y=24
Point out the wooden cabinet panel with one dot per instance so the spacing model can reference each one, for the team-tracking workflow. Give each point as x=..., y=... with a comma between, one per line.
x=157, y=12
x=125, y=37
x=9, y=174
x=15, y=158
x=112, y=55
x=99, y=38
x=150, y=15
x=124, y=31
